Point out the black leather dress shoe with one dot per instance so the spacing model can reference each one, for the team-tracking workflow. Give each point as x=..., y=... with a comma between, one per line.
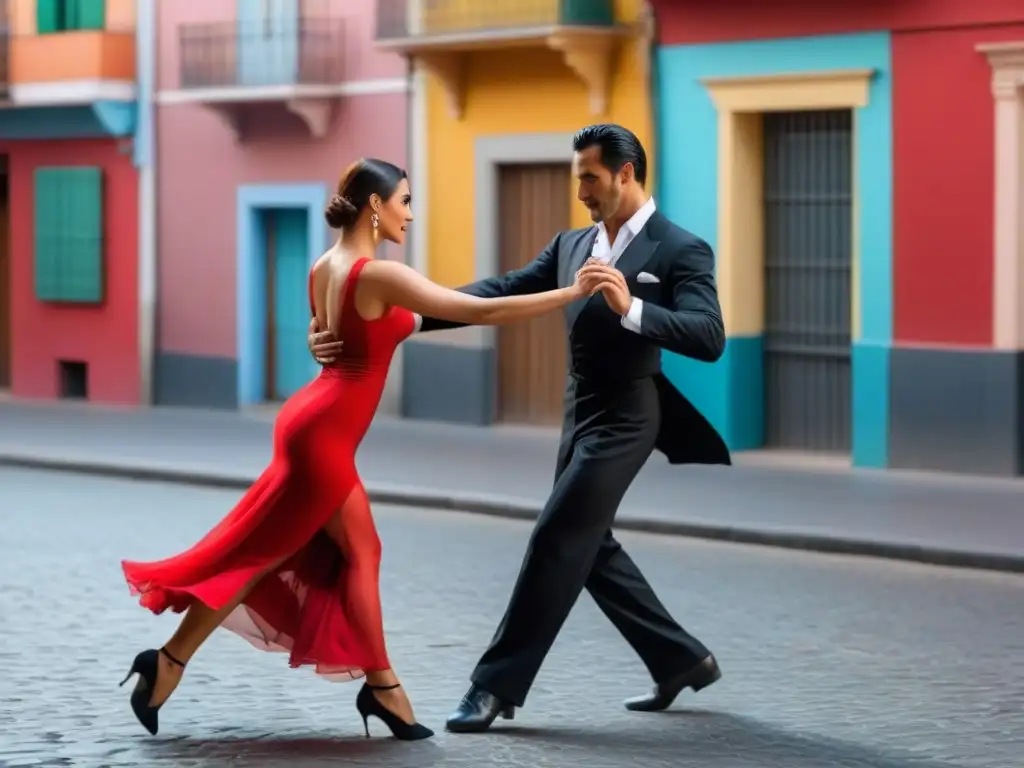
x=664, y=693
x=477, y=710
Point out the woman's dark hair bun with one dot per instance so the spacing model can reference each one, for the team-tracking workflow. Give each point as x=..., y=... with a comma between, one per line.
x=361, y=180
x=340, y=212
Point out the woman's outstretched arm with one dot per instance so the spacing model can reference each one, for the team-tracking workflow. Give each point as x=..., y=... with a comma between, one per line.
x=399, y=285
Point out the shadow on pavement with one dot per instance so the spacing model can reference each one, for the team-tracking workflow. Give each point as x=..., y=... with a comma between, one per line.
x=692, y=738
x=721, y=740
x=264, y=751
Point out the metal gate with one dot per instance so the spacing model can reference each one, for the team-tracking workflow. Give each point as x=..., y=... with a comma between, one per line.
x=808, y=189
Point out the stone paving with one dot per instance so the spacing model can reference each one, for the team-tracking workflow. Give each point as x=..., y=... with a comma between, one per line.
x=506, y=470
x=828, y=661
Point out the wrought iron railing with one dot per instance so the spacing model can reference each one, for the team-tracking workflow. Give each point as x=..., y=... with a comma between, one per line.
x=302, y=51
x=397, y=19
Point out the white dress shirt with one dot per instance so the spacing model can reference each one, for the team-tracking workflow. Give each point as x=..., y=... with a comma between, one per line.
x=610, y=253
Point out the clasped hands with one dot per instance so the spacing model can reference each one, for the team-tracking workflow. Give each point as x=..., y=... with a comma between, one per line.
x=596, y=276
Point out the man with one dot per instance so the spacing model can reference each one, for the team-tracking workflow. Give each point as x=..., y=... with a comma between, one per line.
x=619, y=409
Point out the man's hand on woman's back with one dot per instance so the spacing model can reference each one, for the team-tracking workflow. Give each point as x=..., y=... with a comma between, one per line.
x=322, y=344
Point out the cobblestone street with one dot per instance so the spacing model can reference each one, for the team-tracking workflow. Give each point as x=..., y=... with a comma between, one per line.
x=828, y=661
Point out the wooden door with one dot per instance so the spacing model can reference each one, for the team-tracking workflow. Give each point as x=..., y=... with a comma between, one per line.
x=533, y=205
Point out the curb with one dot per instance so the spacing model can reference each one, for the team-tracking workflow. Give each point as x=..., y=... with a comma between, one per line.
x=523, y=509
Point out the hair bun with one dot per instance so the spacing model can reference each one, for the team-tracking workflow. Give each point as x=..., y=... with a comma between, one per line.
x=340, y=212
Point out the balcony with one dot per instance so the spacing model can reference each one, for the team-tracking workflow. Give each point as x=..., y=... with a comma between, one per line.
x=284, y=77
x=441, y=34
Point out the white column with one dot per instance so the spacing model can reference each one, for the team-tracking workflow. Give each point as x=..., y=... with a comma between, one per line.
x=145, y=76
x=1008, y=318
x=1007, y=60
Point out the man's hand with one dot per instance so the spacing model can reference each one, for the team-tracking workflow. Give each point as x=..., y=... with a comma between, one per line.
x=322, y=344
x=616, y=292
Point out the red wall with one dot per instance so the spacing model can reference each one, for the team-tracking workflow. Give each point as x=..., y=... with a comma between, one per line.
x=943, y=184
x=701, y=21
x=104, y=336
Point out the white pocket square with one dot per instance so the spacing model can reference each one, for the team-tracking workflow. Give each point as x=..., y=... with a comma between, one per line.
x=647, y=277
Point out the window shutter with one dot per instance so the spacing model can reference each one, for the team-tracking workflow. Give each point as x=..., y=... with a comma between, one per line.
x=69, y=235
x=47, y=16
x=88, y=14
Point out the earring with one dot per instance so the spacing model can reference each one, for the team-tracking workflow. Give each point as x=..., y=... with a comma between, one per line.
x=375, y=220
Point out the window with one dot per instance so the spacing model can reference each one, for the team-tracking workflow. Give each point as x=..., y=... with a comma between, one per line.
x=69, y=235
x=268, y=19
x=69, y=15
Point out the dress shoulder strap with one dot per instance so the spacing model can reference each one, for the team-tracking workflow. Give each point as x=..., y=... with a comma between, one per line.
x=350, y=284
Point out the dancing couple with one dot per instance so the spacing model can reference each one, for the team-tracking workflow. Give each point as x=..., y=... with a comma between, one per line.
x=294, y=566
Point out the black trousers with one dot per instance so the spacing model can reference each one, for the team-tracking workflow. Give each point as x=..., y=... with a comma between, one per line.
x=608, y=435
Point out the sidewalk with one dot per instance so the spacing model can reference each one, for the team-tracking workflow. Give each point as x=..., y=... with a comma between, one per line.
x=964, y=521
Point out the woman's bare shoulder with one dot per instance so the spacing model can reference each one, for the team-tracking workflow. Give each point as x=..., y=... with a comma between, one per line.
x=385, y=269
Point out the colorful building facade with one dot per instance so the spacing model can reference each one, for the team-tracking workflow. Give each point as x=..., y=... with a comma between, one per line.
x=859, y=172
x=259, y=108
x=69, y=295
x=499, y=89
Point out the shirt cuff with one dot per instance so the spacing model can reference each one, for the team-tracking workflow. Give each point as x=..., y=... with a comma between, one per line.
x=631, y=320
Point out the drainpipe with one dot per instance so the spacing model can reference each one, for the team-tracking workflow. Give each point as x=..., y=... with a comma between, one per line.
x=144, y=161
x=647, y=40
x=410, y=141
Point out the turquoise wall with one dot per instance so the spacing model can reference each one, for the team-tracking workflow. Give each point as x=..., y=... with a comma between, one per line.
x=730, y=392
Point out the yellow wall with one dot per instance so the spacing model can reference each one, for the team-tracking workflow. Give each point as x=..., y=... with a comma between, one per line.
x=514, y=91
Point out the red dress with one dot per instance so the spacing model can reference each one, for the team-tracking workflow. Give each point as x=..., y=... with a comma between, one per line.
x=321, y=608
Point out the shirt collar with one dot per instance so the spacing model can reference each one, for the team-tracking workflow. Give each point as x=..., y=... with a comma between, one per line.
x=637, y=221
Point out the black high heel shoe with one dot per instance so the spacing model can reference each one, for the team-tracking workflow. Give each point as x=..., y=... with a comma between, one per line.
x=146, y=666
x=368, y=705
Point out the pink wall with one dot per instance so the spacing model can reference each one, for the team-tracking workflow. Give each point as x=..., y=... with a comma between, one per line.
x=199, y=170
x=362, y=60
x=200, y=167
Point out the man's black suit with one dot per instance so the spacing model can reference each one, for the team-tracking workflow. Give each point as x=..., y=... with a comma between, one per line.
x=619, y=408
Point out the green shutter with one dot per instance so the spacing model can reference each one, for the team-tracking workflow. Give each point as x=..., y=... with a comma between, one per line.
x=47, y=16
x=87, y=14
x=69, y=235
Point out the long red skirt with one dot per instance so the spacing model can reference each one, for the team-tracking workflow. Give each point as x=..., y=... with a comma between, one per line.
x=314, y=603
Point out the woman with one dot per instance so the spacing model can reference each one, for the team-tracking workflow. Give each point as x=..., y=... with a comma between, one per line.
x=294, y=566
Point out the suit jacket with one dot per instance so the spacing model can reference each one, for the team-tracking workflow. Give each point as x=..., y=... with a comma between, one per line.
x=680, y=313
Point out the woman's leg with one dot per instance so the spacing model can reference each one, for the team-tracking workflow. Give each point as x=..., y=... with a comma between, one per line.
x=353, y=530
x=195, y=628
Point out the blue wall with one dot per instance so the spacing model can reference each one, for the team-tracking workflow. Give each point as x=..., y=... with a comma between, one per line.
x=730, y=392
x=252, y=271
x=103, y=119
